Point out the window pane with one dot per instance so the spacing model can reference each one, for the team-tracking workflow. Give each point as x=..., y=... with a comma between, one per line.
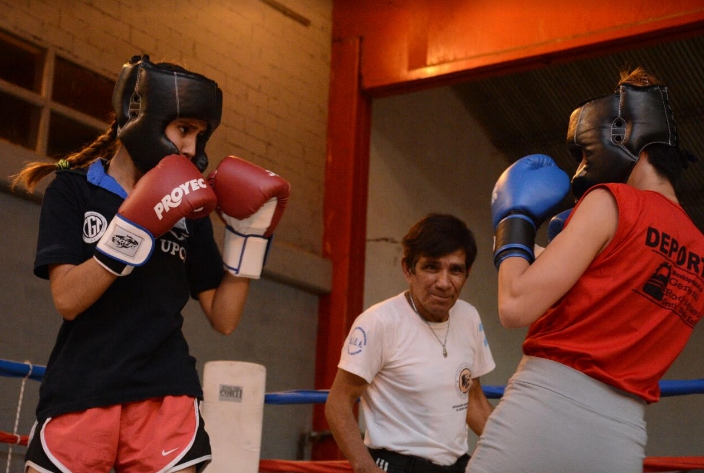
x=21, y=63
x=82, y=90
x=67, y=136
x=19, y=121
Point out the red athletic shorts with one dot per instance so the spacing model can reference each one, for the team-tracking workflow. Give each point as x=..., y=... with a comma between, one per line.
x=155, y=435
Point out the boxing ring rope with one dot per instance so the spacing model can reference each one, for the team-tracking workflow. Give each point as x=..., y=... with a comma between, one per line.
x=668, y=388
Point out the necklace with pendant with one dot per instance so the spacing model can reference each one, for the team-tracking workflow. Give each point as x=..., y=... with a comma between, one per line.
x=444, y=349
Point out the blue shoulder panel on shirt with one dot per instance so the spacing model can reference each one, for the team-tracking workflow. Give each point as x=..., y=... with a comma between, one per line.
x=98, y=177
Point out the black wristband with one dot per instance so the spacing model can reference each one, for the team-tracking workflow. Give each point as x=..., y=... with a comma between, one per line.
x=118, y=268
x=514, y=237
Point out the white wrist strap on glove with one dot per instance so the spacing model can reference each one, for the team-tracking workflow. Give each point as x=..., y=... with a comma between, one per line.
x=245, y=247
x=123, y=246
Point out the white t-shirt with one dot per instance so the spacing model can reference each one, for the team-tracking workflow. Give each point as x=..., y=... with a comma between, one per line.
x=416, y=402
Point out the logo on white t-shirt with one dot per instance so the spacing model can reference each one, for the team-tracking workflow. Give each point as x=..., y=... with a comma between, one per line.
x=357, y=341
x=464, y=380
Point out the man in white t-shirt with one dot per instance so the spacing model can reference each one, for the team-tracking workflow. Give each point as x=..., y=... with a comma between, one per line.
x=415, y=361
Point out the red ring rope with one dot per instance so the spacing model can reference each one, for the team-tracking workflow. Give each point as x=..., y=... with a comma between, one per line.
x=651, y=464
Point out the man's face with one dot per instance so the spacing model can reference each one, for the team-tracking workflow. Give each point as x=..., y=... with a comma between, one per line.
x=436, y=283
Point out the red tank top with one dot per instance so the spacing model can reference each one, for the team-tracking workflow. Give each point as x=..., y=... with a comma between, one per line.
x=631, y=313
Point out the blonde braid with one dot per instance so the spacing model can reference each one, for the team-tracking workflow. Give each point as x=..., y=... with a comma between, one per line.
x=104, y=146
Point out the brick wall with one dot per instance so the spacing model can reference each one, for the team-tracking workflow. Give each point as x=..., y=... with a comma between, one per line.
x=273, y=71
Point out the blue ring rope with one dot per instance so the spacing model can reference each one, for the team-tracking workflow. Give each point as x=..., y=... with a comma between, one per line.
x=14, y=369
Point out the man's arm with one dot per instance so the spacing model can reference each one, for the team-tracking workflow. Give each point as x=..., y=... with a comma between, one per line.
x=478, y=407
x=339, y=411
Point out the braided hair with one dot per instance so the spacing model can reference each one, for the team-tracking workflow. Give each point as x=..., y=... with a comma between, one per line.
x=104, y=146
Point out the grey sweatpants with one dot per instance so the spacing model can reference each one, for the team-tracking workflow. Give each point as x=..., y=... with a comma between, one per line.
x=554, y=419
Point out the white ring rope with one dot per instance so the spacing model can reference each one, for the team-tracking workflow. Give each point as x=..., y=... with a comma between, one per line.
x=17, y=416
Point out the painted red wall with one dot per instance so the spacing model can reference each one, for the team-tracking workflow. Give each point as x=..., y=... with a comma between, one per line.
x=408, y=41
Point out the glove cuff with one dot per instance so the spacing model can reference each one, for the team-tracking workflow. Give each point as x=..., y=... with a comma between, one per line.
x=514, y=237
x=245, y=255
x=123, y=246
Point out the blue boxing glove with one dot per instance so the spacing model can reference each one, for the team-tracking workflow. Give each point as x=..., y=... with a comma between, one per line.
x=526, y=194
x=557, y=223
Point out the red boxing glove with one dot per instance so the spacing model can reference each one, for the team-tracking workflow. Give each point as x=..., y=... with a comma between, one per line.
x=251, y=201
x=173, y=189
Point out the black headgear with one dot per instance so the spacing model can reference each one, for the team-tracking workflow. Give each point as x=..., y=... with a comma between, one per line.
x=147, y=97
x=613, y=130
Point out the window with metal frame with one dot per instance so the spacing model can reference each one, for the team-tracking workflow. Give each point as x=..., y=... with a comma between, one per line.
x=51, y=106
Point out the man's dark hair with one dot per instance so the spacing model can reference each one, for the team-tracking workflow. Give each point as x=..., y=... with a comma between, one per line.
x=437, y=235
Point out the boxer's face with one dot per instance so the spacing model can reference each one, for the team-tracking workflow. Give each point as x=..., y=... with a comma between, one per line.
x=601, y=164
x=595, y=139
x=184, y=134
x=436, y=283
